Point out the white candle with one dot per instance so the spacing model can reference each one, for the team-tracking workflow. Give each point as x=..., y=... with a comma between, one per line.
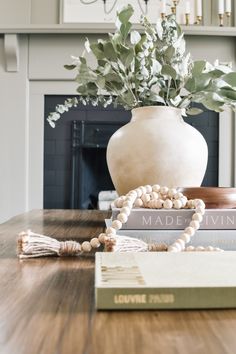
x=228, y=6
x=187, y=7
x=163, y=6
x=221, y=7
x=199, y=8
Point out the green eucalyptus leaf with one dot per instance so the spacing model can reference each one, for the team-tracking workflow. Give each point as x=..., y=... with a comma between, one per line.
x=193, y=111
x=125, y=14
x=135, y=37
x=169, y=71
x=109, y=52
x=170, y=51
x=98, y=51
x=101, y=82
x=85, y=75
x=231, y=94
x=70, y=67
x=230, y=79
x=125, y=29
x=126, y=55
x=198, y=67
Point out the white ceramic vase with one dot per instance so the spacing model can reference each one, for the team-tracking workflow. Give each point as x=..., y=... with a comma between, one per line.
x=156, y=146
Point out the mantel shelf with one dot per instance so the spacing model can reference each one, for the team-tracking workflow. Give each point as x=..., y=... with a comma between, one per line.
x=108, y=27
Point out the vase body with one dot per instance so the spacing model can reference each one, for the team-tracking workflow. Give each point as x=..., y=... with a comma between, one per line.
x=156, y=147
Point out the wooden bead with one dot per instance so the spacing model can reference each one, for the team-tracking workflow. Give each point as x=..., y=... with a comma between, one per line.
x=148, y=188
x=86, y=247
x=209, y=248
x=139, y=192
x=184, y=201
x=127, y=204
x=152, y=204
x=94, y=242
x=171, y=192
x=190, y=249
x=102, y=237
x=117, y=224
x=118, y=203
x=190, y=204
x=167, y=204
x=199, y=203
x=181, y=242
x=189, y=230
x=159, y=203
x=110, y=230
x=185, y=237
x=125, y=210
x=199, y=249
x=154, y=195
x=122, y=217
x=177, y=246
x=156, y=188
x=138, y=202
x=200, y=210
x=164, y=190
x=178, y=195
x=143, y=189
x=177, y=204
x=145, y=198
x=197, y=216
x=194, y=224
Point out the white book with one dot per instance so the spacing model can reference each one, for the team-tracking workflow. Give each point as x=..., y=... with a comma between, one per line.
x=162, y=280
x=224, y=239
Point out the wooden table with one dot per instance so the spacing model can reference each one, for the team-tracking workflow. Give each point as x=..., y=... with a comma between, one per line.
x=47, y=305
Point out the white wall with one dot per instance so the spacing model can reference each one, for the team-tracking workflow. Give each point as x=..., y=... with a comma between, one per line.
x=13, y=116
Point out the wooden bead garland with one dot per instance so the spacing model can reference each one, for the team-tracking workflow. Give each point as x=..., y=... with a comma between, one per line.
x=157, y=197
x=31, y=244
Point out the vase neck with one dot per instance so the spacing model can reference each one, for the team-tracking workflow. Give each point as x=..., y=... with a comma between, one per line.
x=157, y=112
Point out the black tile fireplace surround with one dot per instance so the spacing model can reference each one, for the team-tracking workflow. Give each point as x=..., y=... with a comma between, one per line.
x=75, y=167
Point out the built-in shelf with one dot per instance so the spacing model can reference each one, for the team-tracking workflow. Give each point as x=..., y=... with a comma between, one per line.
x=109, y=27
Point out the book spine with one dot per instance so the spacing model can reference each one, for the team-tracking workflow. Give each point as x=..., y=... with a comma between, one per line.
x=225, y=240
x=165, y=298
x=144, y=219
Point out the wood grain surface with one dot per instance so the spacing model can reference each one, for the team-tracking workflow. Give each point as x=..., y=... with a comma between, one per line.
x=47, y=305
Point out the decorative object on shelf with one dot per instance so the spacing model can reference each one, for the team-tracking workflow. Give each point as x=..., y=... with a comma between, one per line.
x=31, y=244
x=221, y=12
x=228, y=11
x=199, y=12
x=187, y=13
x=152, y=69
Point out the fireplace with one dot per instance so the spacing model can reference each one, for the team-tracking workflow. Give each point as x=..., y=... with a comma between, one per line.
x=75, y=167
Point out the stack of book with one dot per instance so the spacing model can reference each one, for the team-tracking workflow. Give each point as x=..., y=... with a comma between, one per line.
x=218, y=228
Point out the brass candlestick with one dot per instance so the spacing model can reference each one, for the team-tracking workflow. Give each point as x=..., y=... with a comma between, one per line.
x=163, y=15
x=173, y=8
x=187, y=16
x=228, y=15
x=221, y=20
x=199, y=20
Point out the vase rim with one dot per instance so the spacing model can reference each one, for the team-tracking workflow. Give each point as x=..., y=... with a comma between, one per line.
x=177, y=110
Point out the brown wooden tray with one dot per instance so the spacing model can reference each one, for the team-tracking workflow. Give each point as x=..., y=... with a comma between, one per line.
x=214, y=197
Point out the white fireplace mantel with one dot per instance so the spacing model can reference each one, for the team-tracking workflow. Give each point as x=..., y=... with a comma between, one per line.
x=39, y=71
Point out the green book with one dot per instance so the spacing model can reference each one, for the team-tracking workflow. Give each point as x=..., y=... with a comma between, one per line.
x=160, y=280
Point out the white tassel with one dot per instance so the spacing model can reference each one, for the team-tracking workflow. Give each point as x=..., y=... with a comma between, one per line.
x=129, y=244
x=32, y=245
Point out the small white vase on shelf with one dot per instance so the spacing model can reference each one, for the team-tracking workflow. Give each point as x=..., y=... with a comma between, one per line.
x=156, y=146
